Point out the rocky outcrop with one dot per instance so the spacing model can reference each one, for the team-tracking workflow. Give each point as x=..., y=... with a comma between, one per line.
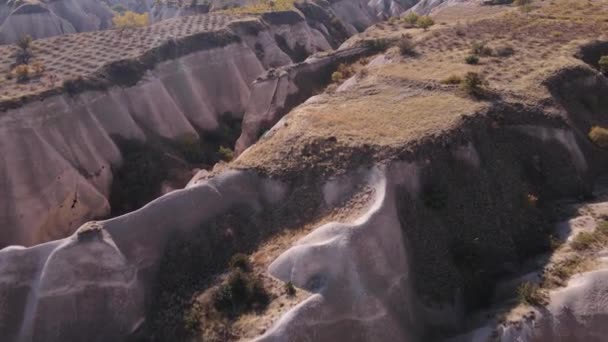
x=74, y=134
x=42, y=19
x=109, y=265
x=279, y=90
x=368, y=278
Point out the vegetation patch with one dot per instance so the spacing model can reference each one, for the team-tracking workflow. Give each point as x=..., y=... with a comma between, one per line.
x=473, y=84
x=531, y=294
x=603, y=63
x=599, y=135
x=241, y=292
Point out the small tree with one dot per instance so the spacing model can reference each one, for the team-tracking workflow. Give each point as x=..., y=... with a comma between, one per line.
x=406, y=46
x=473, y=83
x=24, y=55
x=603, y=63
x=425, y=22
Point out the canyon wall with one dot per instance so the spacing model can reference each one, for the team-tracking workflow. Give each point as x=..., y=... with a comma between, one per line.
x=58, y=153
x=384, y=276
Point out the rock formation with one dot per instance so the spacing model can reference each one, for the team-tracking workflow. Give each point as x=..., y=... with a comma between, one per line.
x=46, y=19
x=187, y=101
x=409, y=201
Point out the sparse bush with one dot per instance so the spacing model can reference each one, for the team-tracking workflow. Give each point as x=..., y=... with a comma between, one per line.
x=225, y=153
x=425, y=22
x=583, y=241
x=376, y=45
x=130, y=19
x=473, y=83
x=239, y=293
x=240, y=262
x=343, y=72
x=480, y=49
x=24, y=55
x=337, y=77
x=599, y=135
x=290, y=289
x=603, y=63
x=471, y=59
x=192, y=318
x=411, y=18
x=406, y=46
x=452, y=80
x=531, y=294
x=25, y=42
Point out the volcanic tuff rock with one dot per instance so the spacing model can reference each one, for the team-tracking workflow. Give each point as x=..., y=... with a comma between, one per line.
x=42, y=19
x=72, y=133
x=457, y=189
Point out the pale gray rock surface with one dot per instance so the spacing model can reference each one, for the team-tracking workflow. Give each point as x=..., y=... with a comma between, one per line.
x=90, y=286
x=41, y=19
x=73, y=136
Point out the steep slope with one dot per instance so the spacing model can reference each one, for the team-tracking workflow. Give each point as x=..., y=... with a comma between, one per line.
x=394, y=202
x=74, y=115
x=41, y=19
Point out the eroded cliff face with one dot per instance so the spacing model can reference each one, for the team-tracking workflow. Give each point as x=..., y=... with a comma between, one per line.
x=385, y=276
x=54, y=18
x=74, y=135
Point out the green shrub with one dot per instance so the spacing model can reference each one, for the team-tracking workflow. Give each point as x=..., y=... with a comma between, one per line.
x=425, y=22
x=25, y=42
x=290, y=289
x=376, y=45
x=480, y=49
x=192, y=318
x=603, y=63
x=599, y=136
x=241, y=262
x=239, y=293
x=225, y=153
x=531, y=294
x=337, y=77
x=583, y=241
x=471, y=59
x=406, y=46
x=411, y=18
x=473, y=83
x=24, y=55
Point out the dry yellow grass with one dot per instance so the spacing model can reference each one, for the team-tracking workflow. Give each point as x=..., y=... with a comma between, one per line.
x=388, y=117
x=263, y=6
x=395, y=105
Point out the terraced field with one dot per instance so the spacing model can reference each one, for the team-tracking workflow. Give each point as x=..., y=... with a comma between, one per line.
x=80, y=55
